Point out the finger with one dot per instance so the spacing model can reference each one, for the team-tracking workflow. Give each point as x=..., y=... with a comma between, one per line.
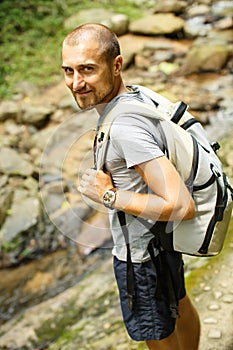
x=82, y=188
x=91, y=171
x=85, y=177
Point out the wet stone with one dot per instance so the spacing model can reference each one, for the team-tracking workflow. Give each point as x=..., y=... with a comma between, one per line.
x=224, y=284
x=206, y=288
x=227, y=299
x=217, y=295
x=214, y=334
x=214, y=307
x=210, y=320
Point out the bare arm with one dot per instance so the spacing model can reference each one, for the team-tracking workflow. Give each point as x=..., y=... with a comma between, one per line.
x=170, y=200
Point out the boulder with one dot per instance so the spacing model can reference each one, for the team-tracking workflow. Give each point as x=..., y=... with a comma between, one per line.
x=222, y=8
x=6, y=195
x=158, y=24
x=174, y=6
x=196, y=26
x=206, y=56
x=224, y=23
x=26, y=89
x=95, y=233
x=39, y=139
x=23, y=215
x=197, y=10
x=131, y=44
x=116, y=22
x=13, y=163
x=69, y=220
x=35, y=115
x=9, y=110
x=11, y=128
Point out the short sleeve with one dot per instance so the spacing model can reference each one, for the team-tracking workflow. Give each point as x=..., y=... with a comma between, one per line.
x=134, y=139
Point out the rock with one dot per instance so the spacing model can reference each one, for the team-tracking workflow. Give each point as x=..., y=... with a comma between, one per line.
x=3, y=180
x=39, y=139
x=197, y=10
x=130, y=45
x=158, y=24
x=222, y=8
x=214, y=307
x=75, y=216
x=87, y=300
x=31, y=185
x=208, y=103
x=12, y=128
x=23, y=215
x=214, y=334
x=224, y=23
x=95, y=233
x=9, y=110
x=147, y=57
x=217, y=295
x=168, y=67
x=224, y=36
x=206, y=55
x=12, y=163
x=20, y=235
x=116, y=22
x=196, y=27
x=228, y=299
x=210, y=320
x=6, y=195
x=52, y=201
x=35, y=115
x=173, y=6
x=39, y=282
x=26, y=89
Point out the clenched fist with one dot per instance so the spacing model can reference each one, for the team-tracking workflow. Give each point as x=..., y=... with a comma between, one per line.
x=94, y=184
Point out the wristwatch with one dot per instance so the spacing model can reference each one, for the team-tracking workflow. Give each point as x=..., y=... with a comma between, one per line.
x=109, y=197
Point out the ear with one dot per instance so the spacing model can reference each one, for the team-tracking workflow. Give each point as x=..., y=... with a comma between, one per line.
x=118, y=61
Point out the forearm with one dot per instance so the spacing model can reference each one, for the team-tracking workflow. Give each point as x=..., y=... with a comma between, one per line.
x=174, y=203
x=153, y=207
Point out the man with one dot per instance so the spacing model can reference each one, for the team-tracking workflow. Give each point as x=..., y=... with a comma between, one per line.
x=142, y=183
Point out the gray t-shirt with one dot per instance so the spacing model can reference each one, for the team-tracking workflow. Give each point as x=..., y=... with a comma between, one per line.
x=132, y=141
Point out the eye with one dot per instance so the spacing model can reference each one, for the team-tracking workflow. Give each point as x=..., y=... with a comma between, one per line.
x=68, y=70
x=88, y=69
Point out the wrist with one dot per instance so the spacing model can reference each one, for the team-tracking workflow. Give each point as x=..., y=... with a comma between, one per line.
x=109, y=198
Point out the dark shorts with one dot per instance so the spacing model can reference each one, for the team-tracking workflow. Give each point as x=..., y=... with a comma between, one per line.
x=150, y=318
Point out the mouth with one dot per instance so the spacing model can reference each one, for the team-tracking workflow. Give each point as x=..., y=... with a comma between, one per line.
x=81, y=93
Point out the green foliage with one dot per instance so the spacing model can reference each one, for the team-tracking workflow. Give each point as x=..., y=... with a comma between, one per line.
x=11, y=246
x=31, y=34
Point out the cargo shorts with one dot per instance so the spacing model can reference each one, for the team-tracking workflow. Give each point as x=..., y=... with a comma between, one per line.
x=150, y=318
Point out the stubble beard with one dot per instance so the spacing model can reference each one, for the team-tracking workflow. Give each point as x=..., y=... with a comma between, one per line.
x=96, y=99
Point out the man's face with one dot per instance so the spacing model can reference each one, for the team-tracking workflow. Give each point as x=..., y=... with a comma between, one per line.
x=87, y=74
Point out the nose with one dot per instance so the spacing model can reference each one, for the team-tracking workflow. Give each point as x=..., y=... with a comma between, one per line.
x=78, y=81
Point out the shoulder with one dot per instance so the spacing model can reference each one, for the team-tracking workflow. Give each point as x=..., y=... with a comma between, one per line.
x=132, y=123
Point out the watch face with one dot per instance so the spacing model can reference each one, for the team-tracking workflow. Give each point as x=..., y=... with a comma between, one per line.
x=109, y=198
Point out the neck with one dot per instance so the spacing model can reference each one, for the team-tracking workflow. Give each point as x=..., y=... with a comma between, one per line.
x=120, y=90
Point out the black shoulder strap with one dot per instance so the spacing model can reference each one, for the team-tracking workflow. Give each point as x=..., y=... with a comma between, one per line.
x=130, y=272
x=164, y=283
x=178, y=114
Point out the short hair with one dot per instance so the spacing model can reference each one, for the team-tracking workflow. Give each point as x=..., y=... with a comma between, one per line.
x=107, y=39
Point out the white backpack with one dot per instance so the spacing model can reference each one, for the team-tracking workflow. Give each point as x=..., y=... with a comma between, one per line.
x=185, y=143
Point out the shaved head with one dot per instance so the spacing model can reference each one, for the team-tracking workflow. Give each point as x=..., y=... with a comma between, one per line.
x=106, y=39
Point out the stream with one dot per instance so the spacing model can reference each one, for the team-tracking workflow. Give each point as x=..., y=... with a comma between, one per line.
x=43, y=278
